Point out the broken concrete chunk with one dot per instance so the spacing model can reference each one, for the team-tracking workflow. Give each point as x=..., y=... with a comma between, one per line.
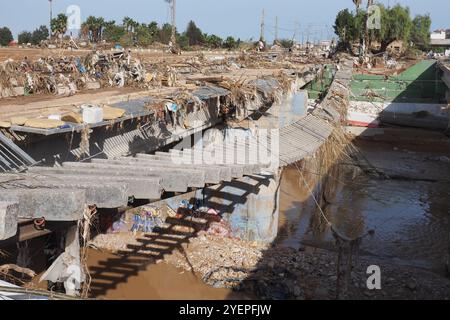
x=9, y=213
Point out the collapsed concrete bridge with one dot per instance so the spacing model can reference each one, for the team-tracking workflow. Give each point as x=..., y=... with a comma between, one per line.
x=61, y=193
x=123, y=169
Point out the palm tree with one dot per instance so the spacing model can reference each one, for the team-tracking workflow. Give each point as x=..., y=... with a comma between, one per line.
x=126, y=23
x=93, y=27
x=59, y=25
x=133, y=25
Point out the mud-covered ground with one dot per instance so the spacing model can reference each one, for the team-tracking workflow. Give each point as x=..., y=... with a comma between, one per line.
x=287, y=273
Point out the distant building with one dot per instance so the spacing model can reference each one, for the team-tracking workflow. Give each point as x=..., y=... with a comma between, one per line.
x=325, y=45
x=440, y=38
x=440, y=34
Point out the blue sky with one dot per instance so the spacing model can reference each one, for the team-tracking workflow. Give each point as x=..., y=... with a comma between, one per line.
x=239, y=18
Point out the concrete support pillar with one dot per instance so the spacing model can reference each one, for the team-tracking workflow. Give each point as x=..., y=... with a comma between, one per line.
x=250, y=205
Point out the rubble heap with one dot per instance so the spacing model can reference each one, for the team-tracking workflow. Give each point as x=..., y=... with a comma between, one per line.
x=63, y=76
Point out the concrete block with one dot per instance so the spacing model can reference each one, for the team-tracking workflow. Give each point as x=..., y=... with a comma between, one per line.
x=214, y=174
x=139, y=185
x=103, y=195
x=168, y=179
x=247, y=169
x=54, y=205
x=194, y=178
x=237, y=171
x=8, y=219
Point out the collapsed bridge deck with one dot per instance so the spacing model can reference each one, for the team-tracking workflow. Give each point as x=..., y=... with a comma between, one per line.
x=62, y=193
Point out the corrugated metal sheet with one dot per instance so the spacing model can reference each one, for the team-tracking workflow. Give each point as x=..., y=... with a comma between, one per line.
x=302, y=139
x=12, y=158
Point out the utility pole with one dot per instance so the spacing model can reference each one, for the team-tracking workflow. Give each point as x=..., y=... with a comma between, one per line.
x=174, y=24
x=261, y=37
x=276, y=29
x=51, y=17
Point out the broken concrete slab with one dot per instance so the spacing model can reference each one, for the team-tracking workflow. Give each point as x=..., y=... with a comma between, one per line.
x=140, y=186
x=237, y=171
x=248, y=169
x=9, y=213
x=57, y=205
x=196, y=178
x=102, y=195
x=213, y=174
x=169, y=179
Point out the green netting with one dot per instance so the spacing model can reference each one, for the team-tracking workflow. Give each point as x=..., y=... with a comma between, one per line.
x=421, y=83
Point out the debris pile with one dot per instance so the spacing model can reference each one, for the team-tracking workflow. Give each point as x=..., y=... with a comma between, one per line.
x=64, y=76
x=287, y=273
x=221, y=261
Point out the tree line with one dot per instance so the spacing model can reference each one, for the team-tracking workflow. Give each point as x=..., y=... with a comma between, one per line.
x=25, y=37
x=127, y=33
x=396, y=24
x=131, y=32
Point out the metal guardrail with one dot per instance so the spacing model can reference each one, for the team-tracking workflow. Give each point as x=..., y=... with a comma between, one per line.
x=12, y=158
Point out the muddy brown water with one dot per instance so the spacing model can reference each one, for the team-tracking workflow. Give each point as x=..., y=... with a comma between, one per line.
x=154, y=282
x=411, y=219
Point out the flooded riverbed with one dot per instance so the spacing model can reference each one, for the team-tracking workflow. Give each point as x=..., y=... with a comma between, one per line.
x=402, y=213
x=126, y=281
x=409, y=217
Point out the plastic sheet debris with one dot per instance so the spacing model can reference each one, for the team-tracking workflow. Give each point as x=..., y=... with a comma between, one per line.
x=119, y=226
x=146, y=221
x=220, y=229
x=92, y=114
x=186, y=205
